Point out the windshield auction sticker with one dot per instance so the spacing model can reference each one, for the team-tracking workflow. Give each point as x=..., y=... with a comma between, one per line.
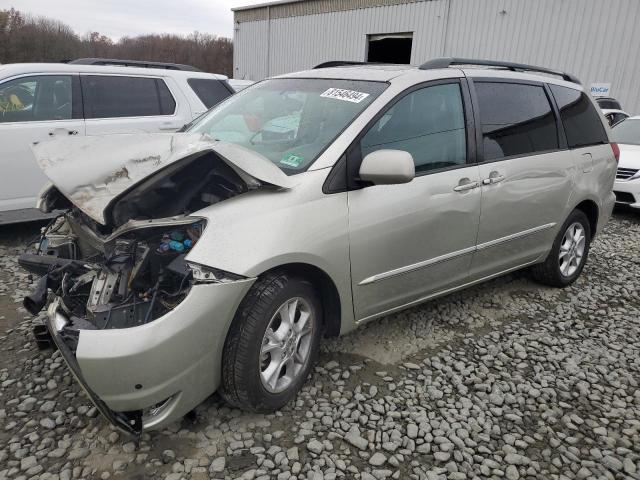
x=292, y=160
x=345, y=95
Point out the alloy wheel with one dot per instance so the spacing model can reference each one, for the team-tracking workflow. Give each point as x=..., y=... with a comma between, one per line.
x=572, y=249
x=286, y=344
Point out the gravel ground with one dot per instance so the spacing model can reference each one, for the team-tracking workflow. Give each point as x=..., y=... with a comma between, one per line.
x=505, y=380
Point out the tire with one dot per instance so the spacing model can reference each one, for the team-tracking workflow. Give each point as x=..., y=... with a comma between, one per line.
x=555, y=271
x=245, y=366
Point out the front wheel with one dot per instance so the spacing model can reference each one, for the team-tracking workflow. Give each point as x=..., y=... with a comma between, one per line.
x=569, y=253
x=272, y=343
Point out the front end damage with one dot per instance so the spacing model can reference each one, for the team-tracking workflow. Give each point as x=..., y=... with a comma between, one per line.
x=140, y=326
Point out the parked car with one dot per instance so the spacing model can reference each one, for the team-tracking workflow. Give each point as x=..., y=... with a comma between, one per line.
x=306, y=206
x=614, y=116
x=608, y=103
x=627, y=185
x=39, y=101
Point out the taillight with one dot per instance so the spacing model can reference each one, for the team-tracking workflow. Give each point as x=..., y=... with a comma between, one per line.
x=616, y=151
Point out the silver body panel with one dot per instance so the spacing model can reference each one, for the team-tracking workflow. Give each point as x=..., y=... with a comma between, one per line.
x=520, y=213
x=384, y=247
x=411, y=240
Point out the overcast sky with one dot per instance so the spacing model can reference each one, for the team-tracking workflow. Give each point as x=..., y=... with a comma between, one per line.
x=117, y=18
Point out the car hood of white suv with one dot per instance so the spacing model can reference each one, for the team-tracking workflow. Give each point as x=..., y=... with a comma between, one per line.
x=92, y=172
x=629, y=156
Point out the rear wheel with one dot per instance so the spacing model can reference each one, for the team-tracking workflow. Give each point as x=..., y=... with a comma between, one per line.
x=272, y=343
x=569, y=253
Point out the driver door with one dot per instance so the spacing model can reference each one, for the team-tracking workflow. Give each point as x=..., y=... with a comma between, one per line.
x=33, y=109
x=413, y=240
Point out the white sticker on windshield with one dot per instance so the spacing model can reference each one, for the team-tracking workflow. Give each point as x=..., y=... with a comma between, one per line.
x=346, y=95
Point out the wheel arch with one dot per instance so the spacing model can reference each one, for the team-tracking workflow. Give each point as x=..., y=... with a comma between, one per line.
x=329, y=295
x=591, y=210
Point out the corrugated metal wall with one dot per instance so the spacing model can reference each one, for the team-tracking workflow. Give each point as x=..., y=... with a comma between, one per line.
x=594, y=39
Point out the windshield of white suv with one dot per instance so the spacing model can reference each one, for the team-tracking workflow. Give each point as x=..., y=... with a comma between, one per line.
x=289, y=121
x=627, y=132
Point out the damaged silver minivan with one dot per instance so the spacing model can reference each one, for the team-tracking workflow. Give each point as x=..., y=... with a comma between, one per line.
x=303, y=206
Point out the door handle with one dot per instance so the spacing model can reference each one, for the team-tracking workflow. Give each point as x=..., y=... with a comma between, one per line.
x=466, y=185
x=494, y=177
x=169, y=126
x=69, y=132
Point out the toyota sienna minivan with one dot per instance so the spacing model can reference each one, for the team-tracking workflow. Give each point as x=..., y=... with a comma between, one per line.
x=301, y=207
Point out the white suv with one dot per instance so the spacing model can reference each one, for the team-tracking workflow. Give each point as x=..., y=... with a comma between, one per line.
x=39, y=101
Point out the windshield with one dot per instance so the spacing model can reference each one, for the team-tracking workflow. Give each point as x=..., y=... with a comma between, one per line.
x=289, y=121
x=627, y=131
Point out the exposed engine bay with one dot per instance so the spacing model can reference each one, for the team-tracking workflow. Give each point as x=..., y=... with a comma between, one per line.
x=136, y=279
x=132, y=270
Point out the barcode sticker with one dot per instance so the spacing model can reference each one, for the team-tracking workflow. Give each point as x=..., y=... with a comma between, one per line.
x=346, y=95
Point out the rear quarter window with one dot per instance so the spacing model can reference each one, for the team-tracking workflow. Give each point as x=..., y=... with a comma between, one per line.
x=209, y=91
x=582, y=124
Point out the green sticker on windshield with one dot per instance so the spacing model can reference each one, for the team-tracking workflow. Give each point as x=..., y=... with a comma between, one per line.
x=292, y=160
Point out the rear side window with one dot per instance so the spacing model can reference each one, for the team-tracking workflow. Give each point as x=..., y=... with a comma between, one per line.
x=119, y=96
x=516, y=119
x=209, y=91
x=581, y=121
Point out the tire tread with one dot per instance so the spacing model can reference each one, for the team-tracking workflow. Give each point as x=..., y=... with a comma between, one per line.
x=237, y=345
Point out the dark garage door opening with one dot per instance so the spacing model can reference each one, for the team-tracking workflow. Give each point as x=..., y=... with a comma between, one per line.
x=389, y=48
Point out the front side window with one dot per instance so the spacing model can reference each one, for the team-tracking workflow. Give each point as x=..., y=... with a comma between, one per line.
x=626, y=132
x=581, y=121
x=428, y=123
x=36, y=98
x=209, y=91
x=516, y=119
x=289, y=121
x=119, y=96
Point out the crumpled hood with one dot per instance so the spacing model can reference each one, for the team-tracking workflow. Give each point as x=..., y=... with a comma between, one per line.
x=92, y=171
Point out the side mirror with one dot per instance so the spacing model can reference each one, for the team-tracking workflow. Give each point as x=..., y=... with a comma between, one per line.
x=387, y=167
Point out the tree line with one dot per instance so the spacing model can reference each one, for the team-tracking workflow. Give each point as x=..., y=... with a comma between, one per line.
x=24, y=38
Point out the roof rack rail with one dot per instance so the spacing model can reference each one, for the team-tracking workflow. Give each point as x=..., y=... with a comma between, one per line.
x=133, y=63
x=340, y=63
x=445, y=62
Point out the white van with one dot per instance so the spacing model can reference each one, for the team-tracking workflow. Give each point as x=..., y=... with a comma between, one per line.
x=39, y=101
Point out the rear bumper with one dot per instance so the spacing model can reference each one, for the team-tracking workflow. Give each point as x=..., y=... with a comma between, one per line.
x=145, y=377
x=627, y=192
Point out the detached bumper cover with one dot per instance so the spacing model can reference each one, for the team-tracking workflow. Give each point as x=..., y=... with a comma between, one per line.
x=130, y=422
x=174, y=361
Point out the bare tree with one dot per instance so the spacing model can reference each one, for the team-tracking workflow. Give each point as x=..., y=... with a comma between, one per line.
x=24, y=38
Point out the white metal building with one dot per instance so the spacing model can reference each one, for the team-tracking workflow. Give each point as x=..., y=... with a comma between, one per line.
x=596, y=40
